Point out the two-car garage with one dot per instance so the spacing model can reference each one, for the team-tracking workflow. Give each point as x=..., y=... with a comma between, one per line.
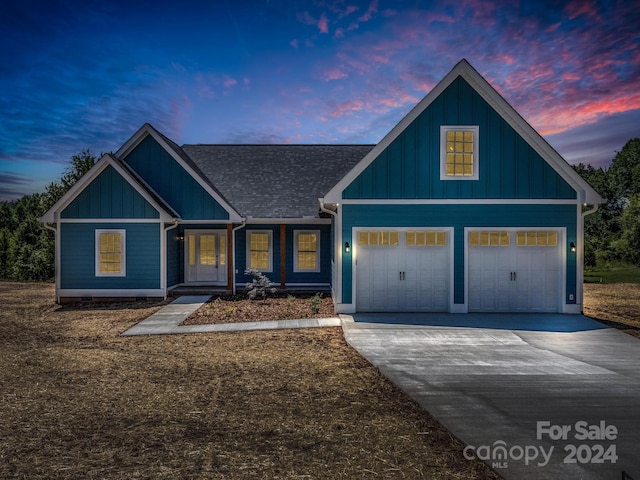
x=411, y=270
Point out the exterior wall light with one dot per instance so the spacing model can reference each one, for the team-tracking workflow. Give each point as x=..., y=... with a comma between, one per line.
x=180, y=237
x=347, y=247
x=572, y=247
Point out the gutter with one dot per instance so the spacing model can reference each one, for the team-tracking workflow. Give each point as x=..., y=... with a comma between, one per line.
x=233, y=242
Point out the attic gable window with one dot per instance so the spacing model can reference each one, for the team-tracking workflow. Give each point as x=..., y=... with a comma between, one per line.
x=458, y=152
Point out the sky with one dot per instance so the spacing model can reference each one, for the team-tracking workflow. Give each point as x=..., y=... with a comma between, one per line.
x=88, y=74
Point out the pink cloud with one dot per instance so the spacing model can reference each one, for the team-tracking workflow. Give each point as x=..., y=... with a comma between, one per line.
x=334, y=74
x=294, y=43
x=229, y=82
x=581, y=7
x=339, y=33
x=323, y=24
x=373, y=8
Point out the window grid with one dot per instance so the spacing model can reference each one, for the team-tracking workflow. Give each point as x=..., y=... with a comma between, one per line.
x=259, y=251
x=536, y=239
x=459, y=153
x=306, y=251
x=426, y=239
x=109, y=253
x=489, y=239
x=379, y=238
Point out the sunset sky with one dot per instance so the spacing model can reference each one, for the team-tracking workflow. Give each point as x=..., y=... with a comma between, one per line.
x=88, y=74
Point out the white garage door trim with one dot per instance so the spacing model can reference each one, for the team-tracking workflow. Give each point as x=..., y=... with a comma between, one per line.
x=562, y=235
x=449, y=248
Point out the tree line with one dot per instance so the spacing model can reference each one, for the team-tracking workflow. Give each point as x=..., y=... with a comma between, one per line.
x=612, y=234
x=26, y=247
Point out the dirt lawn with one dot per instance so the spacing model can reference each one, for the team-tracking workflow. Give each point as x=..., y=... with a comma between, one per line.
x=80, y=402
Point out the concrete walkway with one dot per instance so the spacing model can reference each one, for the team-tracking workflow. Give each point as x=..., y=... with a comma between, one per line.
x=490, y=379
x=168, y=319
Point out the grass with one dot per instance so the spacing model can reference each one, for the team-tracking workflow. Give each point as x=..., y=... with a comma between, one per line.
x=80, y=402
x=612, y=274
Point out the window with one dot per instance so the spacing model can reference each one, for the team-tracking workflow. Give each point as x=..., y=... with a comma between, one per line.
x=426, y=239
x=489, y=239
x=537, y=239
x=306, y=250
x=378, y=238
x=459, y=152
x=110, y=253
x=260, y=250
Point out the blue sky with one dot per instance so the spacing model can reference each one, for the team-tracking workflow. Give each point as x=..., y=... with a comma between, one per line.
x=88, y=74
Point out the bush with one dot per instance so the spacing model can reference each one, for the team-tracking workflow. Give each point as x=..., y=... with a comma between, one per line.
x=259, y=286
x=314, y=303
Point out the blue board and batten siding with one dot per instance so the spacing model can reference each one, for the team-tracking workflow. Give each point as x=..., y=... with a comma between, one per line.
x=173, y=183
x=78, y=256
x=459, y=217
x=321, y=277
x=409, y=168
x=509, y=169
x=109, y=196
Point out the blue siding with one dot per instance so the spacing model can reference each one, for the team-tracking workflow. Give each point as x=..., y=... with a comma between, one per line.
x=175, y=260
x=109, y=196
x=77, y=256
x=165, y=175
x=458, y=217
x=410, y=166
x=323, y=276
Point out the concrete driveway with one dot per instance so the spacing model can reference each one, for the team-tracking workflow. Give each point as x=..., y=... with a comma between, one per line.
x=535, y=396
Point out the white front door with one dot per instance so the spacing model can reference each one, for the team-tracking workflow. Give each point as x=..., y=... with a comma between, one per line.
x=402, y=270
x=514, y=271
x=206, y=256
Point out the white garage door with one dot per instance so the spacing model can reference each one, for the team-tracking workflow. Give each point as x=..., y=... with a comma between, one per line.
x=402, y=271
x=514, y=271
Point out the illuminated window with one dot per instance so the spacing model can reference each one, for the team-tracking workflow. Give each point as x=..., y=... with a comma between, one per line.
x=306, y=250
x=426, y=239
x=110, y=253
x=379, y=238
x=489, y=239
x=537, y=239
x=459, y=152
x=260, y=250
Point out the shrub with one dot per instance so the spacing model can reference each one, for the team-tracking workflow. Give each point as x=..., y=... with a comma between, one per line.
x=259, y=286
x=314, y=303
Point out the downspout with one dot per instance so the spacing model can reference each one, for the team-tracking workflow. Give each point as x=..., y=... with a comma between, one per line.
x=581, y=270
x=56, y=256
x=176, y=222
x=233, y=242
x=337, y=249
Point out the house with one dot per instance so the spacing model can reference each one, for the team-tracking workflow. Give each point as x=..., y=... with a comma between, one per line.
x=462, y=207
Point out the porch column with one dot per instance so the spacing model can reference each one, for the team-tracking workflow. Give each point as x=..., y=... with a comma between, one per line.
x=230, y=262
x=283, y=255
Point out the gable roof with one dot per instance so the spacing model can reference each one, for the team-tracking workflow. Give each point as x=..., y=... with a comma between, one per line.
x=275, y=181
x=585, y=193
x=166, y=212
x=183, y=159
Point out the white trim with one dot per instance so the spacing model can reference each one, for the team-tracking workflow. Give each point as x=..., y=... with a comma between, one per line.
x=90, y=176
x=205, y=221
x=346, y=308
x=111, y=220
x=270, y=251
x=585, y=193
x=148, y=129
x=288, y=221
x=296, y=234
x=562, y=245
x=123, y=252
x=462, y=201
x=444, y=129
x=118, y=292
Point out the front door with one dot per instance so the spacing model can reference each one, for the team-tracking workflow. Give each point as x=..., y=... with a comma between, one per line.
x=206, y=256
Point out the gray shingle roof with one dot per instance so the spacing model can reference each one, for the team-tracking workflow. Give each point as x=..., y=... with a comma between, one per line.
x=275, y=181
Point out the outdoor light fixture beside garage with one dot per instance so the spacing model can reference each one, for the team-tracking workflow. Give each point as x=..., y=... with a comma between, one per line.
x=572, y=247
x=347, y=247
